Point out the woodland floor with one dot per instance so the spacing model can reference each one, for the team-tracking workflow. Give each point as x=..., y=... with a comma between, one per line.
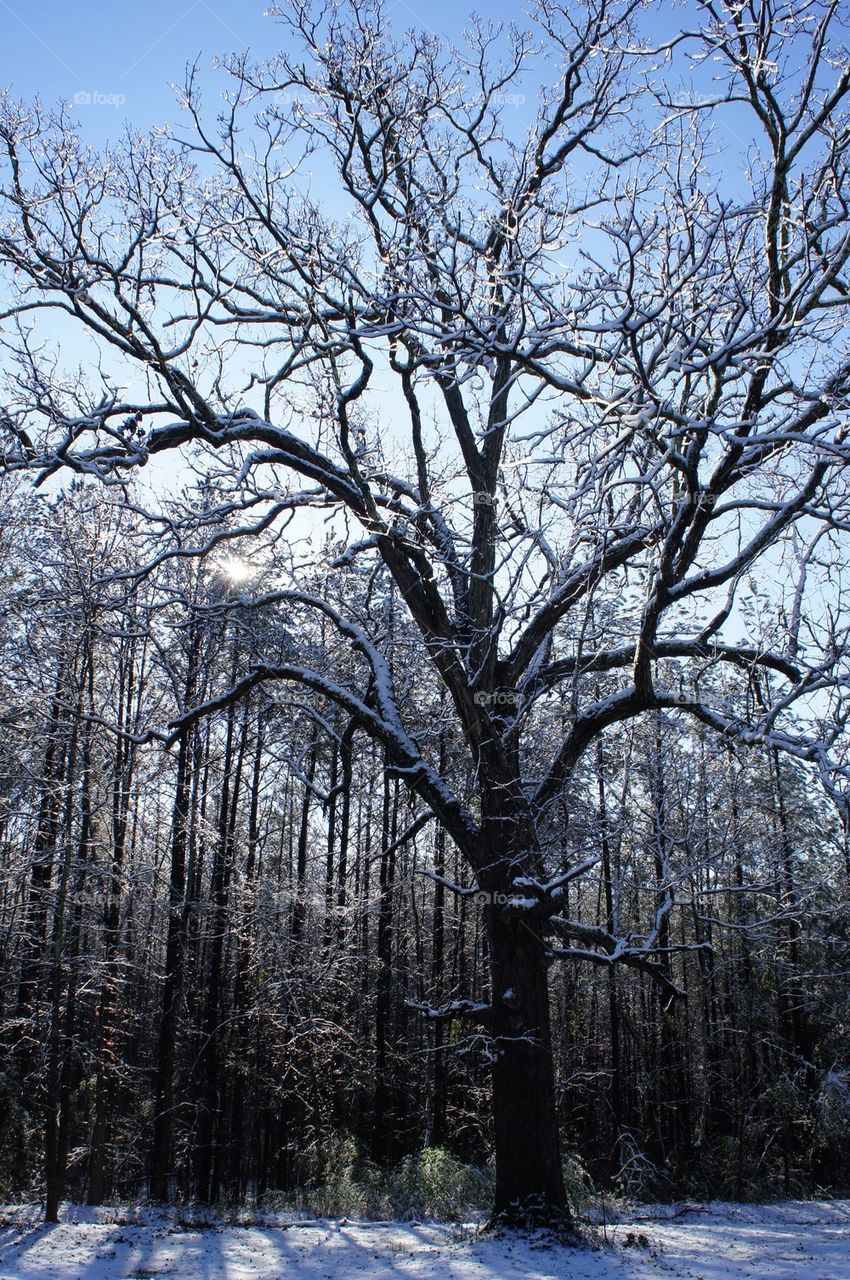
x=806, y=1240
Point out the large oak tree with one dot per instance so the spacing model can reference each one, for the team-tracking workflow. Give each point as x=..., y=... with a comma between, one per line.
x=554, y=327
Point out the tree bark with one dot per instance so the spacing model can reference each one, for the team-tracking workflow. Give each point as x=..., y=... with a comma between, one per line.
x=108, y=1004
x=529, y=1176
x=209, y=1066
x=175, y=947
x=437, y=1129
x=383, y=1141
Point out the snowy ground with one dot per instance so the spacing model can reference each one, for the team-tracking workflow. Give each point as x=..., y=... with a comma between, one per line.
x=803, y=1240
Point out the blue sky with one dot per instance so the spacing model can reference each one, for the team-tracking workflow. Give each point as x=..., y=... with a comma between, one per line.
x=117, y=60
x=115, y=63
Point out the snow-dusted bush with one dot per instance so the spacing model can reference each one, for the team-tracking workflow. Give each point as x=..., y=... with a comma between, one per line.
x=425, y=1184
x=433, y=1184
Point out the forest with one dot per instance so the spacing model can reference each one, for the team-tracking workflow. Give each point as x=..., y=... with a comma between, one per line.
x=218, y=959
x=424, y=773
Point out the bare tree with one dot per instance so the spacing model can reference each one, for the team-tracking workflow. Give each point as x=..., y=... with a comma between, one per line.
x=575, y=375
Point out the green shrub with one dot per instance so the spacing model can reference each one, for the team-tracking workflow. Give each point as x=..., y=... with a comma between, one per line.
x=579, y=1185
x=15, y=1142
x=342, y=1183
x=433, y=1184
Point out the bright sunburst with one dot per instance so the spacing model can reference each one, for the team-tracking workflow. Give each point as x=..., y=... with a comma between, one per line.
x=236, y=570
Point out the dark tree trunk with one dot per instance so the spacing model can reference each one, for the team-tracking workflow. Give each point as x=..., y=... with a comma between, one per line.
x=611, y=924
x=209, y=1065
x=173, y=977
x=330, y=847
x=437, y=1128
x=108, y=1005
x=182, y=894
x=383, y=1132
x=529, y=1176
x=239, y=1137
x=344, y=828
x=58, y=1044
x=299, y=907
x=175, y=947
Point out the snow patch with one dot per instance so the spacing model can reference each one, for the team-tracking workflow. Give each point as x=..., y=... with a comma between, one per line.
x=794, y=1240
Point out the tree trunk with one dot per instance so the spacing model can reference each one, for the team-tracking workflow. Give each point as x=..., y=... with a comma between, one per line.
x=178, y=923
x=529, y=1176
x=109, y=1001
x=58, y=1046
x=299, y=907
x=437, y=1130
x=611, y=924
x=172, y=979
x=209, y=1066
x=384, y=1134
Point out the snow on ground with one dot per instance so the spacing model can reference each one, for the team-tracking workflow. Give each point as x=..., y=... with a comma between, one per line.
x=799, y=1239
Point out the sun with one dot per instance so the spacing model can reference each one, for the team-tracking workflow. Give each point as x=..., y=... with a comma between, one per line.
x=236, y=570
